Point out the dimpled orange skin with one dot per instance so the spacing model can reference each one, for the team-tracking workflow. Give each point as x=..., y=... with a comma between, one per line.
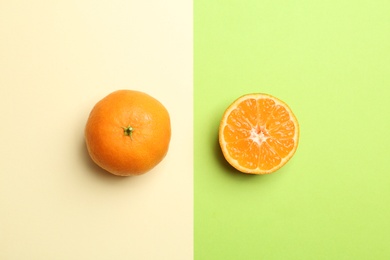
x=128, y=133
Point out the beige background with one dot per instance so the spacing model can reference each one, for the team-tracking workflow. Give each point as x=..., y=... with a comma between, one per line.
x=57, y=59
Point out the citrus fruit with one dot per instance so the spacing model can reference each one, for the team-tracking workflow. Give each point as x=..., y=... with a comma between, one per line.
x=258, y=134
x=128, y=132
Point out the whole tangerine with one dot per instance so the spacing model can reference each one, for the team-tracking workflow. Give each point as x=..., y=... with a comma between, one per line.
x=128, y=133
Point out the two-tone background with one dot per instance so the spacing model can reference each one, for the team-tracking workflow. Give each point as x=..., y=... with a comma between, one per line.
x=329, y=60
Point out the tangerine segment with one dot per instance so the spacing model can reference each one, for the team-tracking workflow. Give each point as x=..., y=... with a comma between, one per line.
x=258, y=134
x=245, y=152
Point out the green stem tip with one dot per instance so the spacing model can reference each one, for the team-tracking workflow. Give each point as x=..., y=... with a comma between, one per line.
x=128, y=131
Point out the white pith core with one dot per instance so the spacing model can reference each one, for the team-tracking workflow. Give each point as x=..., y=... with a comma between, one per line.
x=258, y=136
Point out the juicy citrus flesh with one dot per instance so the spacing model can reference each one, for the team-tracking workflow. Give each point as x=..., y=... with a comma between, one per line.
x=128, y=133
x=258, y=134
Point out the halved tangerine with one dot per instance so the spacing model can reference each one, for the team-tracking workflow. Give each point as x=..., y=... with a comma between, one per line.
x=258, y=134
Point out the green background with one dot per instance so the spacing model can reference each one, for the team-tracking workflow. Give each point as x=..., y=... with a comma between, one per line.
x=330, y=61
